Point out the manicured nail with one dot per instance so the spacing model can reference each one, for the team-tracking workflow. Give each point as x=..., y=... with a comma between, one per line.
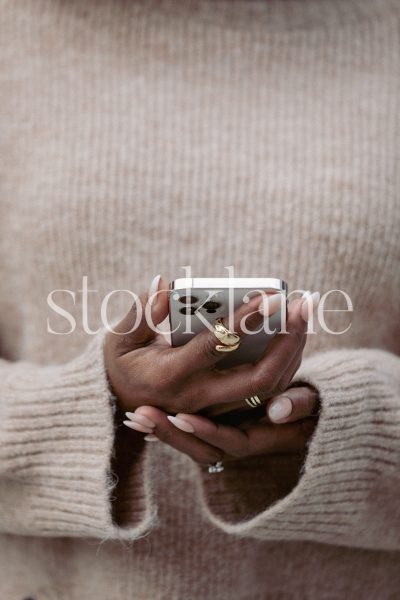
x=270, y=304
x=310, y=303
x=306, y=294
x=137, y=418
x=154, y=285
x=280, y=408
x=150, y=437
x=181, y=424
x=138, y=427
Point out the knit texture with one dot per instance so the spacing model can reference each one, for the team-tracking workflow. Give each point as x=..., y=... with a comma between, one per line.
x=58, y=448
x=139, y=137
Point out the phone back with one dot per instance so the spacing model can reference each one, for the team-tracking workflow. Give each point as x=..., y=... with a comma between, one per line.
x=195, y=300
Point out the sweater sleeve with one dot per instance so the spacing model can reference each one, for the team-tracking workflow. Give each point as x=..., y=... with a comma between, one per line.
x=57, y=437
x=347, y=489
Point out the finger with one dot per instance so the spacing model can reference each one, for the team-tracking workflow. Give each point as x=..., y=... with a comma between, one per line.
x=201, y=351
x=139, y=326
x=215, y=410
x=261, y=379
x=259, y=438
x=294, y=404
x=290, y=372
x=199, y=450
x=280, y=361
x=284, y=348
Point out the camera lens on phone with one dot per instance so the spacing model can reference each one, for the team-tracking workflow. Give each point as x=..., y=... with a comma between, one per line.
x=188, y=299
x=188, y=310
x=211, y=304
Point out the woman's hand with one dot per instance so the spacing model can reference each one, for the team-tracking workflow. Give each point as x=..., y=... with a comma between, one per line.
x=143, y=369
x=288, y=423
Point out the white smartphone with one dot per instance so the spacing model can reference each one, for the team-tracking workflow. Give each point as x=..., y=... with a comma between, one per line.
x=192, y=301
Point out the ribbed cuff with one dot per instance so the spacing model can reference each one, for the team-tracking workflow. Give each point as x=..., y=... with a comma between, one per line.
x=348, y=486
x=56, y=444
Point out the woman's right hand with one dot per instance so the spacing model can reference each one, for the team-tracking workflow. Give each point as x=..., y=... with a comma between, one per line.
x=143, y=369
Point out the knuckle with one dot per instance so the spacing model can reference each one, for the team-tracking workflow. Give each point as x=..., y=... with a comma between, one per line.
x=212, y=456
x=174, y=368
x=296, y=336
x=188, y=405
x=240, y=451
x=188, y=397
x=253, y=321
x=170, y=377
x=209, y=346
x=165, y=380
x=159, y=385
x=155, y=377
x=262, y=381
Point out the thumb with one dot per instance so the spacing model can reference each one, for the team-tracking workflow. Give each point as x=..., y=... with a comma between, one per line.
x=139, y=326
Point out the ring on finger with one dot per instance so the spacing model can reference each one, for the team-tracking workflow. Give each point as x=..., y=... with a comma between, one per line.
x=230, y=340
x=216, y=467
x=253, y=401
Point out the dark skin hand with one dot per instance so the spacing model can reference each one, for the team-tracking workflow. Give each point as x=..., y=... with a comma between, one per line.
x=207, y=441
x=145, y=371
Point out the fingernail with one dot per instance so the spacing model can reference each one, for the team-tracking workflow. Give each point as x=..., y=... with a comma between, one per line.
x=150, y=437
x=280, y=408
x=137, y=418
x=138, y=427
x=181, y=424
x=310, y=303
x=270, y=304
x=154, y=285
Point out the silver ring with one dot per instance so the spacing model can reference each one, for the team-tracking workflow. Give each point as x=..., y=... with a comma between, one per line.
x=215, y=467
x=253, y=401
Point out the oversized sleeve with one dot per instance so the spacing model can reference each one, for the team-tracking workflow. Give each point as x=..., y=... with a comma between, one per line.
x=348, y=485
x=57, y=444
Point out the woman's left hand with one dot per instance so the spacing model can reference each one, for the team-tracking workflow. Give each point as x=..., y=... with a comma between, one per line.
x=288, y=423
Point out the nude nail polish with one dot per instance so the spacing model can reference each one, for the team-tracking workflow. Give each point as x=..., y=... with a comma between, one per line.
x=141, y=419
x=310, y=303
x=138, y=427
x=150, y=437
x=154, y=285
x=181, y=424
x=270, y=304
x=280, y=408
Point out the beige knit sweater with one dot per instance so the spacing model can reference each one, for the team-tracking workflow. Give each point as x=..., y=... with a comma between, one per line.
x=140, y=137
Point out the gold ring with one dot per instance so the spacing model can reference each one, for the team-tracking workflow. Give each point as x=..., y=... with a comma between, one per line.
x=229, y=340
x=227, y=348
x=226, y=337
x=253, y=401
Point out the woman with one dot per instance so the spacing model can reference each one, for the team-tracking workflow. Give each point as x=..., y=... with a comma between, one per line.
x=141, y=137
